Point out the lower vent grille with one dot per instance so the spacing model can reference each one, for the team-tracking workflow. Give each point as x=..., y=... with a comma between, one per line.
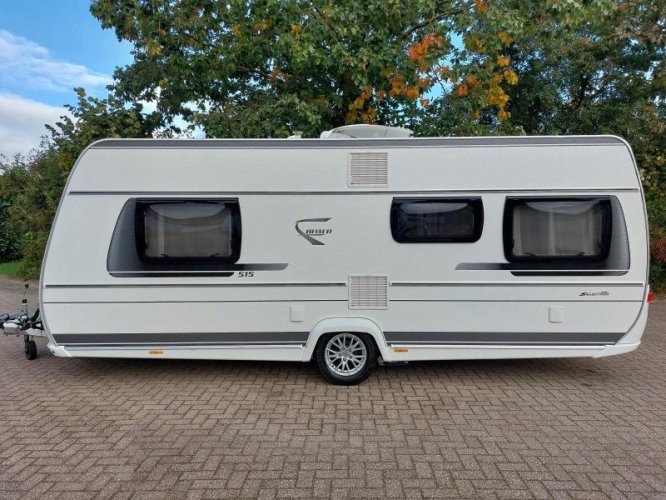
x=368, y=292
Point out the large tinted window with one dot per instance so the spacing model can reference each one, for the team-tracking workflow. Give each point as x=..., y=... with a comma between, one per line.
x=188, y=231
x=539, y=229
x=436, y=220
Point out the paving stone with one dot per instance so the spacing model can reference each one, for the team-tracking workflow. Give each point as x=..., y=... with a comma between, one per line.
x=560, y=428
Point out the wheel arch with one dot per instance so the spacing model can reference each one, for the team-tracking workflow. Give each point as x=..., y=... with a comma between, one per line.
x=351, y=325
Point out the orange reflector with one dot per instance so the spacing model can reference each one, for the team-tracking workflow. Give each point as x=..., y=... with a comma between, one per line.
x=650, y=297
x=156, y=353
x=400, y=349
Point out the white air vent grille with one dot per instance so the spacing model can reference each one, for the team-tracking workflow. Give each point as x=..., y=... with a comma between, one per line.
x=368, y=292
x=368, y=169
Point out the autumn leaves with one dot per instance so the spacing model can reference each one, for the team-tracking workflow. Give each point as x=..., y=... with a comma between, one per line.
x=483, y=84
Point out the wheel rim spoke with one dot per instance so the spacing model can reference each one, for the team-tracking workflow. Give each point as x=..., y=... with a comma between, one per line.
x=345, y=354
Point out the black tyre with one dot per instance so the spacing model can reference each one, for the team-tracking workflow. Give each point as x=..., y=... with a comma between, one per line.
x=346, y=358
x=30, y=350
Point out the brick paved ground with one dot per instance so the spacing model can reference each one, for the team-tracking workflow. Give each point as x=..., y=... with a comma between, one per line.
x=516, y=429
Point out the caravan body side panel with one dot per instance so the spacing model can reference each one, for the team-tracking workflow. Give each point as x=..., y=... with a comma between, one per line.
x=445, y=300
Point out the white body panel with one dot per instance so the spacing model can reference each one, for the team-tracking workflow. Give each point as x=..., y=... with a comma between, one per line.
x=437, y=307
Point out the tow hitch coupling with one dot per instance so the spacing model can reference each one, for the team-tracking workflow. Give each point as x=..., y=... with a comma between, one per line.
x=21, y=323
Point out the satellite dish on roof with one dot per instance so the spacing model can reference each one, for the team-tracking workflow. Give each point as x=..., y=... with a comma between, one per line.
x=367, y=132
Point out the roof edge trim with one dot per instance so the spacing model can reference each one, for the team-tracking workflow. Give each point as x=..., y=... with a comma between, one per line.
x=581, y=140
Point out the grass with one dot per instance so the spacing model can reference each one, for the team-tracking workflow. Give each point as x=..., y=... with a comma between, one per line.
x=10, y=269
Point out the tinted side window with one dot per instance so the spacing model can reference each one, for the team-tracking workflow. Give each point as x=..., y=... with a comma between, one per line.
x=436, y=220
x=188, y=231
x=546, y=229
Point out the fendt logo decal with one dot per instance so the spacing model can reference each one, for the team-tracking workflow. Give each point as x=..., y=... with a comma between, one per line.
x=594, y=294
x=309, y=233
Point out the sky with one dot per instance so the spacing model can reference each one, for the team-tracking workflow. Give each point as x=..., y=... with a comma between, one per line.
x=48, y=47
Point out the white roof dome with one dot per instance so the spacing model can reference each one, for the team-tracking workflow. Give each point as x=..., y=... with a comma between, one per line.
x=362, y=131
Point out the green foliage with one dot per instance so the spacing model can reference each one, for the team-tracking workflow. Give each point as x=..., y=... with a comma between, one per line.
x=656, y=205
x=10, y=269
x=255, y=69
x=658, y=276
x=9, y=245
x=241, y=69
x=601, y=74
x=33, y=185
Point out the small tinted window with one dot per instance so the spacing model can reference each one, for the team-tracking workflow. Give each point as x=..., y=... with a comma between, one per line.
x=188, y=231
x=557, y=229
x=436, y=220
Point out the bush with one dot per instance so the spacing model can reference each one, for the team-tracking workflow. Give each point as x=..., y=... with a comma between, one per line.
x=656, y=206
x=658, y=264
x=9, y=243
x=33, y=186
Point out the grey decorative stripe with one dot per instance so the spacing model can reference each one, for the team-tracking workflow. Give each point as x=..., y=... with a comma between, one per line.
x=357, y=143
x=191, y=285
x=516, y=284
x=515, y=301
x=351, y=192
x=226, y=268
x=506, y=266
x=254, y=267
x=170, y=274
x=225, y=338
x=570, y=272
x=241, y=301
x=219, y=270
x=509, y=338
x=181, y=345
x=520, y=269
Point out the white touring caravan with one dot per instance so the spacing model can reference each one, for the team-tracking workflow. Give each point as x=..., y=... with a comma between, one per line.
x=347, y=251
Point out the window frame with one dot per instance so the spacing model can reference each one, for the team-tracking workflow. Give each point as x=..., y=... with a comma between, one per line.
x=183, y=262
x=507, y=231
x=475, y=201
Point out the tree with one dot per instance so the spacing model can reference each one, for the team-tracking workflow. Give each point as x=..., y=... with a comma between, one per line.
x=582, y=74
x=267, y=68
